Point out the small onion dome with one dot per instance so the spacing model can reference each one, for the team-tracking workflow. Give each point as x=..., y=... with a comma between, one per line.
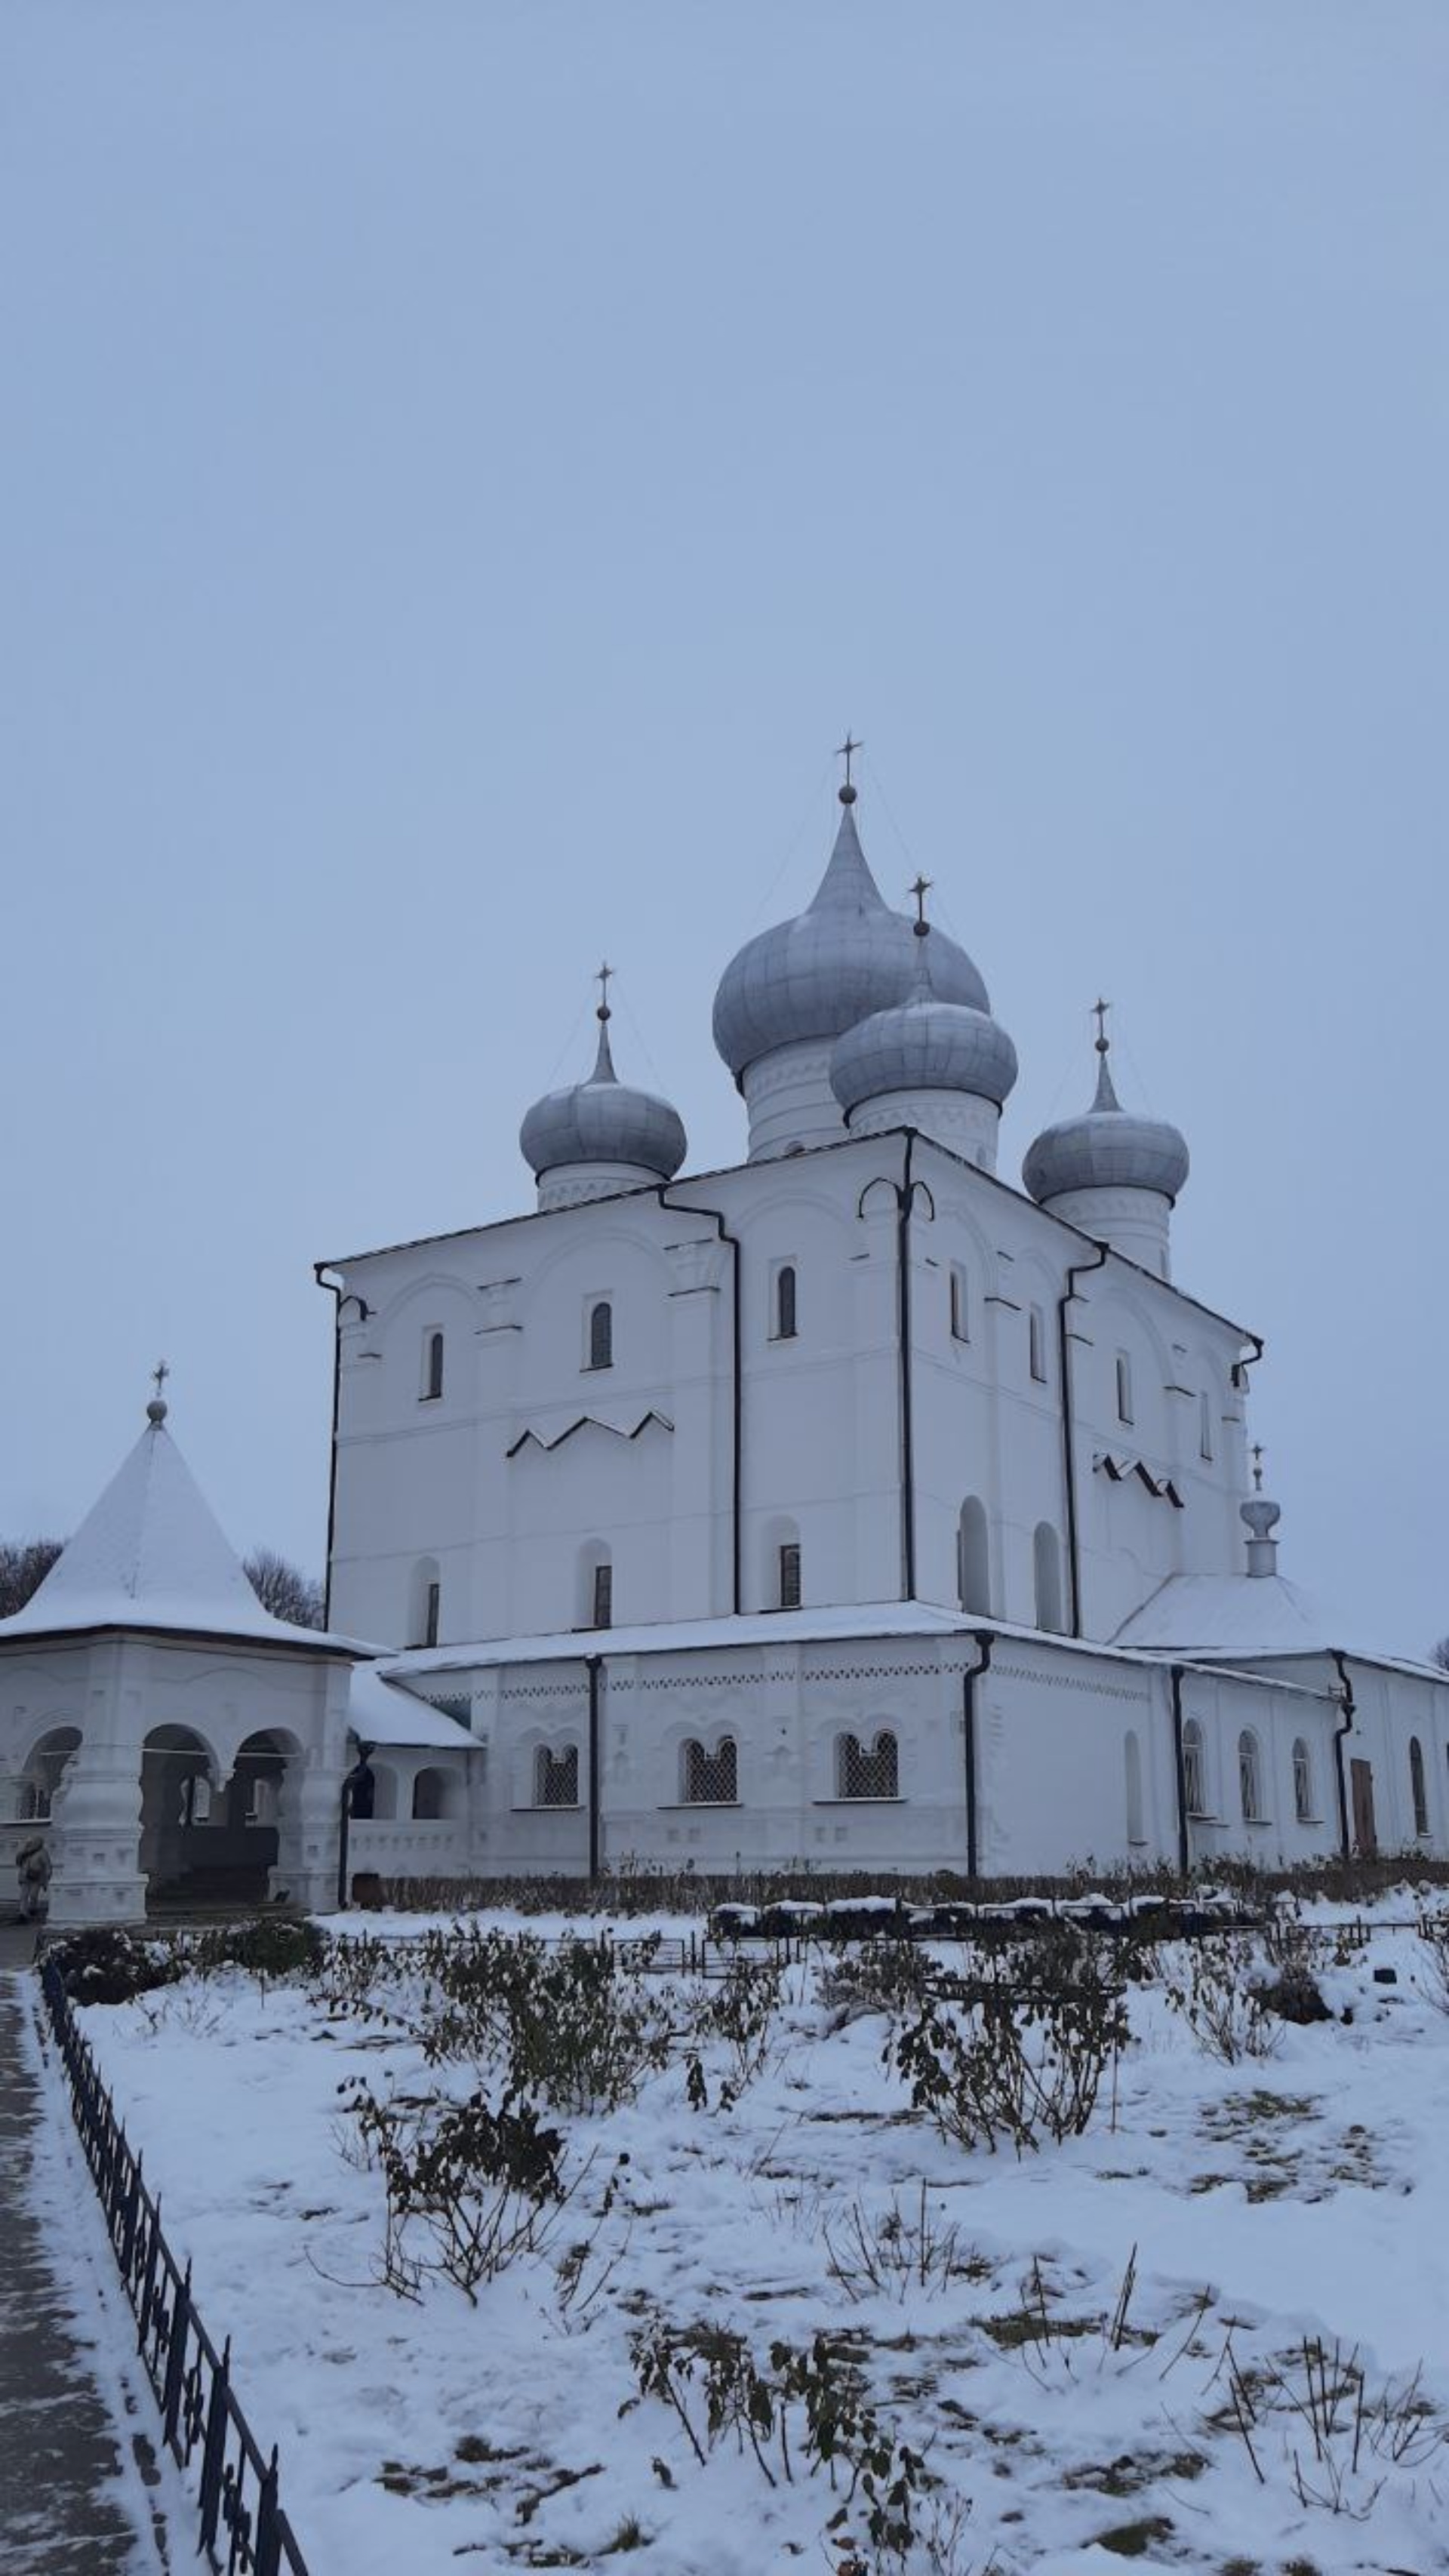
x=923, y=1044
x=846, y=955
x=1109, y=1148
x=603, y=1121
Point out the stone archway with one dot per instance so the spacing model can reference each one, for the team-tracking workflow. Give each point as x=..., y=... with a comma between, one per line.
x=183, y=1810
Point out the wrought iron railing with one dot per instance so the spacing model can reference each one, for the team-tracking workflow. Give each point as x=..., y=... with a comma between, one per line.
x=244, y=2531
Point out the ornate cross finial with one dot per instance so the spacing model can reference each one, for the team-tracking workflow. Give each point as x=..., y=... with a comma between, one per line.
x=1099, y=1013
x=1257, y=1466
x=603, y=979
x=846, y=751
x=156, y=1409
x=159, y=1376
x=918, y=893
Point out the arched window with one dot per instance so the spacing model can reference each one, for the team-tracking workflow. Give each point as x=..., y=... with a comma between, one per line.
x=710, y=1779
x=1047, y=1567
x=601, y=1335
x=1194, y=1769
x=960, y=1305
x=785, y=1326
x=556, y=1777
x=1302, y=1782
x=1417, y=1786
x=432, y=1367
x=1132, y=1764
x=867, y=1772
x=973, y=1557
x=790, y=1595
x=1250, y=1778
x=430, y=1797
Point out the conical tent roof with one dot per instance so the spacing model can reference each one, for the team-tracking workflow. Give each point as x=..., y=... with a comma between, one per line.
x=151, y=1554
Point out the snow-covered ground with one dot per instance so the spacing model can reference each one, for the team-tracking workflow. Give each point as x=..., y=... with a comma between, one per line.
x=1305, y=2196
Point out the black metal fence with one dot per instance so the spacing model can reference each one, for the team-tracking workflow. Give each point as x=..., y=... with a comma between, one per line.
x=244, y=2531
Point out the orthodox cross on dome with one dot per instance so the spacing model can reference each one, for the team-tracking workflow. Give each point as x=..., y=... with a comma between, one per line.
x=846, y=751
x=604, y=979
x=1257, y=1466
x=918, y=893
x=1099, y=1013
x=156, y=1409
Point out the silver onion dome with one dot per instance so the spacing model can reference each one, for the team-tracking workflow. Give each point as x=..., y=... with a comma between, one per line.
x=846, y=955
x=923, y=1044
x=603, y=1120
x=1108, y=1148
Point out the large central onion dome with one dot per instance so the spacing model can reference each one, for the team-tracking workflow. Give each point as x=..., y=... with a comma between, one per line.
x=846, y=955
x=601, y=1135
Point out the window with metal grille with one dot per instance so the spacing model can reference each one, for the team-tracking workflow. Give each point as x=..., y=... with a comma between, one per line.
x=1302, y=1783
x=556, y=1777
x=1036, y=1344
x=1250, y=1778
x=603, y=1601
x=1194, y=1769
x=960, y=1307
x=601, y=1335
x=1417, y=1786
x=431, y=1610
x=710, y=1777
x=432, y=1367
x=867, y=1771
x=785, y=1326
x=790, y=1575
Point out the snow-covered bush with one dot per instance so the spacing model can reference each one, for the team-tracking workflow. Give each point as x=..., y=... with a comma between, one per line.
x=104, y=1966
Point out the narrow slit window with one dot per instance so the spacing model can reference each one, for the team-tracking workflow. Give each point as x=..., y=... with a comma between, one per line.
x=1036, y=1344
x=960, y=1308
x=1124, y=1387
x=601, y=1335
x=1204, y=1425
x=785, y=1314
x=432, y=1606
x=603, y=1600
x=1302, y=1783
x=1194, y=1769
x=1250, y=1778
x=432, y=1367
x=1418, y=1786
x=790, y=1575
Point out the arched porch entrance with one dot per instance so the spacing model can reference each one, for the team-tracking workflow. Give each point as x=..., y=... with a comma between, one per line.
x=208, y=1839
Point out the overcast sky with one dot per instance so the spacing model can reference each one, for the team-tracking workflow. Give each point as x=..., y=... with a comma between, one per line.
x=461, y=469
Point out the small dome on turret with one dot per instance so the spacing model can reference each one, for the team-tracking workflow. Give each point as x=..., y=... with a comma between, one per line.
x=925, y=1043
x=1107, y=1148
x=603, y=1121
x=845, y=956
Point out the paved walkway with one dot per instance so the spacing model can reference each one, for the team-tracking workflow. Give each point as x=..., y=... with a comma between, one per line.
x=63, y=2509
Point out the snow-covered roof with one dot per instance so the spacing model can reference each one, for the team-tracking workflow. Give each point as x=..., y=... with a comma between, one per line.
x=382, y=1712
x=1225, y=1618
x=151, y=1554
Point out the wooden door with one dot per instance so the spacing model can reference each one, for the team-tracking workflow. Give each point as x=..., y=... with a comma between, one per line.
x=1362, y=1776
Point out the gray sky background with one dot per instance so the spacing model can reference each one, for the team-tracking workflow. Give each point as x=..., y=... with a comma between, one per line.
x=462, y=467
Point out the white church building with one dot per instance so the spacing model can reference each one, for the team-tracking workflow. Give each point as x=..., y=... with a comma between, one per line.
x=850, y=1507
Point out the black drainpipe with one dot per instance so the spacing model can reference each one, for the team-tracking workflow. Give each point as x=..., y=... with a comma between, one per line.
x=1179, y=1764
x=1069, y=1464
x=903, y=1316
x=1345, y=1724
x=985, y=1639
x=681, y=1207
x=593, y=1665
x=334, y=1290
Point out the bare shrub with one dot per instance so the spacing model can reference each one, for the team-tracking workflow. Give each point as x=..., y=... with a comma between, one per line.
x=577, y=2024
x=736, y=2011
x=1341, y=2439
x=1434, y=1982
x=1028, y=2055
x=890, y=1977
x=893, y=2252
x=468, y=2188
x=1223, y=2008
